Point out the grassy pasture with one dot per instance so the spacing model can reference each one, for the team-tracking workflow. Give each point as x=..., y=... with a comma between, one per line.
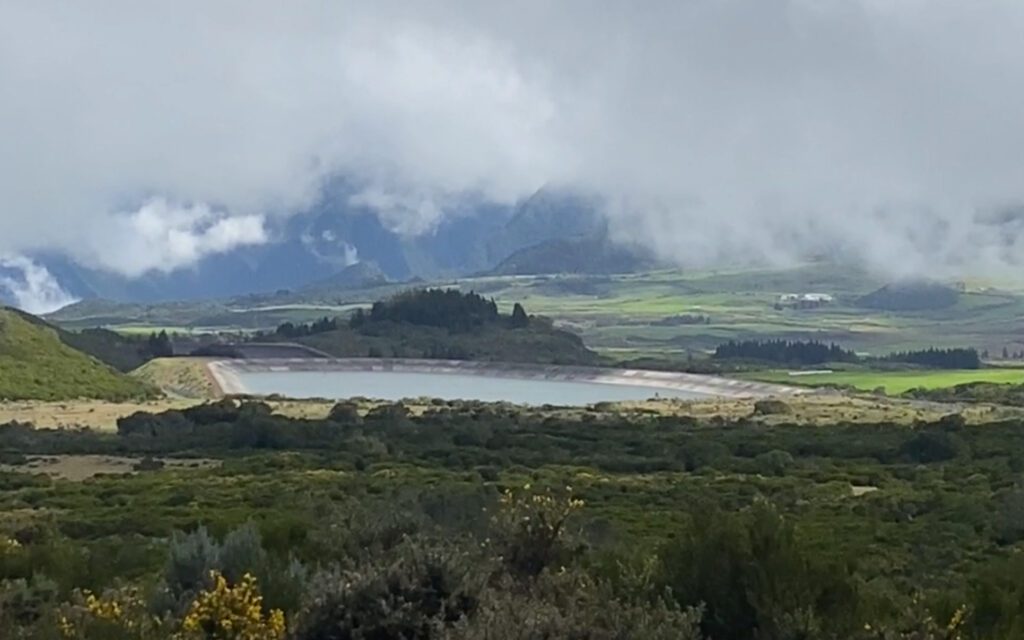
x=895, y=382
x=619, y=313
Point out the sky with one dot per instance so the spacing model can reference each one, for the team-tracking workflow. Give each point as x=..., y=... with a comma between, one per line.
x=144, y=136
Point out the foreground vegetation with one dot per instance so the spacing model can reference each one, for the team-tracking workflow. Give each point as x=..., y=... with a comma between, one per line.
x=468, y=520
x=36, y=364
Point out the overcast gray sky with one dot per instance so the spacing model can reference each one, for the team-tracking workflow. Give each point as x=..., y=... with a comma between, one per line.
x=144, y=135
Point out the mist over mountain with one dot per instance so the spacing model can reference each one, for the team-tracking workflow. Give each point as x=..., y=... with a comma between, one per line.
x=323, y=245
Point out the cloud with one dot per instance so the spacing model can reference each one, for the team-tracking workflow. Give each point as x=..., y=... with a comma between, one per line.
x=161, y=236
x=31, y=286
x=884, y=131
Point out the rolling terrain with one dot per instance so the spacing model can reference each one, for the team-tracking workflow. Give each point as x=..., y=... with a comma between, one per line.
x=648, y=313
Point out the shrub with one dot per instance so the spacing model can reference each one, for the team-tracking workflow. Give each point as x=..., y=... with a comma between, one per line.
x=191, y=559
x=120, y=614
x=771, y=407
x=531, y=530
x=416, y=593
x=226, y=612
x=755, y=579
x=572, y=605
x=774, y=462
x=345, y=413
x=932, y=445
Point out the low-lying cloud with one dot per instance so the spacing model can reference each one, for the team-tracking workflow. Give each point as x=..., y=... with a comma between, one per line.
x=161, y=236
x=886, y=132
x=30, y=286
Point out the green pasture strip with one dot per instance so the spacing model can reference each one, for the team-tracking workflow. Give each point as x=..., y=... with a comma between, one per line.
x=894, y=382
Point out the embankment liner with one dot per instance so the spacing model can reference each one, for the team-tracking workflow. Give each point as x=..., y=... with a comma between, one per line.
x=229, y=374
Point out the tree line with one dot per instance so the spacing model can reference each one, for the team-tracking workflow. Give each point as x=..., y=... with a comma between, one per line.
x=956, y=358
x=812, y=352
x=784, y=351
x=291, y=330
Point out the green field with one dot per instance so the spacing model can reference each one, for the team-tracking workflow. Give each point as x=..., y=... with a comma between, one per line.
x=895, y=382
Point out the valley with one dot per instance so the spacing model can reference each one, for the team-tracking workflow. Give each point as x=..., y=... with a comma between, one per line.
x=666, y=313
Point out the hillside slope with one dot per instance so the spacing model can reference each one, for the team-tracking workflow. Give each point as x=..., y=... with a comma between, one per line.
x=36, y=365
x=910, y=296
x=591, y=255
x=124, y=353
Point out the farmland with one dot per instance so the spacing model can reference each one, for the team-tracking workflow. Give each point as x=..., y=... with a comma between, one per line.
x=630, y=315
x=893, y=382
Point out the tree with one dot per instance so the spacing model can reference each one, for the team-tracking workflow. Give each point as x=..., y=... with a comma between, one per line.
x=519, y=317
x=159, y=345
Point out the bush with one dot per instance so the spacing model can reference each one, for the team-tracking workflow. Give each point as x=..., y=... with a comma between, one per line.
x=190, y=560
x=531, y=531
x=570, y=604
x=345, y=413
x=932, y=445
x=417, y=593
x=755, y=579
x=774, y=462
x=771, y=407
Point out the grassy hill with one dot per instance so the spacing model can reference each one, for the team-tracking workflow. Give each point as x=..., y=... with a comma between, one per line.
x=122, y=352
x=36, y=365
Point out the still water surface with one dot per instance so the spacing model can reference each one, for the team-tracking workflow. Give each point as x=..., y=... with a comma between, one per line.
x=390, y=385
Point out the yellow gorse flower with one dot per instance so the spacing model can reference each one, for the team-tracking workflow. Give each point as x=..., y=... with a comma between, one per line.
x=232, y=613
x=120, y=609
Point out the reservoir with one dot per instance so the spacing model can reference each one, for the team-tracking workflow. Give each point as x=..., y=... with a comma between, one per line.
x=393, y=385
x=397, y=379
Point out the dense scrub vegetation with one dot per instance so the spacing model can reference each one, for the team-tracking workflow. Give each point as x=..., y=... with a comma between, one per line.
x=36, y=365
x=473, y=520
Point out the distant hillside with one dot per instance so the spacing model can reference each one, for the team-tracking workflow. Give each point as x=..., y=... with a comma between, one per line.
x=910, y=296
x=594, y=255
x=36, y=365
x=361, y=275
x=550, y=214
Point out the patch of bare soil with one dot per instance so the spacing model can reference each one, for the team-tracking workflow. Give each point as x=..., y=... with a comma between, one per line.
x=83, y=467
